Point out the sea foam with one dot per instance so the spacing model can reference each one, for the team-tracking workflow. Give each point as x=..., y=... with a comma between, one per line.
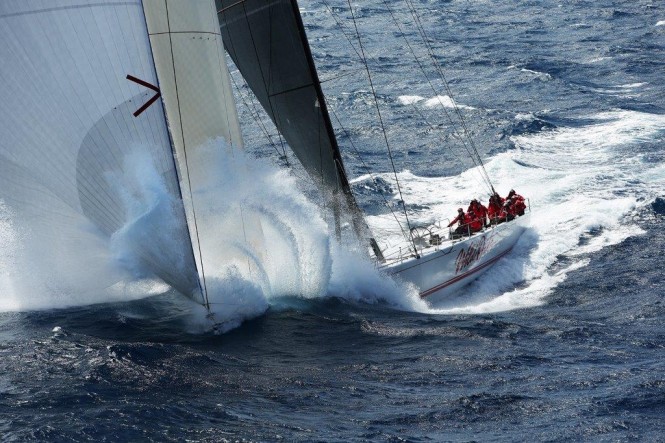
x=580, y=181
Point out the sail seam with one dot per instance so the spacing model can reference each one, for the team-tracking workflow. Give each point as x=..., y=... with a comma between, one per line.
x=64, y=8
x=266, y=84
x=185, y=32
x=230, y=6
x=189, y=181
x=286, y=91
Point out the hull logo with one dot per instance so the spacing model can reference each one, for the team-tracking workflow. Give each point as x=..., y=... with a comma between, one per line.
x=472, y=254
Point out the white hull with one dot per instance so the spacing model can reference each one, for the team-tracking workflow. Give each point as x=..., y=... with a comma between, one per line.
x=439, y=273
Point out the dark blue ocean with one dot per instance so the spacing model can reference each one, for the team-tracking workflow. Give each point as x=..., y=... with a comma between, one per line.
x=564, y=340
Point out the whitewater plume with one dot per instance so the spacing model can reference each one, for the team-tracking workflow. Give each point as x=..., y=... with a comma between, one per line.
x=299, y=256
x=296, y=257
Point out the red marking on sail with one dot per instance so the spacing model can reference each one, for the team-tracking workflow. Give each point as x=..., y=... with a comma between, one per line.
x=147, y=85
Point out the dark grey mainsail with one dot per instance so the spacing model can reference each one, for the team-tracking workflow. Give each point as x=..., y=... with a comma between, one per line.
x=266, y=39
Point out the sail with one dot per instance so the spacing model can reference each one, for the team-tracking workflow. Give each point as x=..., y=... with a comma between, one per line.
x=191, y=65
x=85, y=149
x=266, y=40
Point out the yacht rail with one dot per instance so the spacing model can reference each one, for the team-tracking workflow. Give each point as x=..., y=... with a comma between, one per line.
x=437, y=236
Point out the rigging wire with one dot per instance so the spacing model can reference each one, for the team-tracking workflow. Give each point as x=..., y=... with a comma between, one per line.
x=255, y=115
x=434, y=128
x=369, y=172
x=348, y=135
x=266, y=83
x=437, y=66
x=477, y=163
x=346, y=74
x=383, y=128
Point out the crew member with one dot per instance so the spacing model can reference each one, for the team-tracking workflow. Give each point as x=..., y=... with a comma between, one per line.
x=518, y=206
x=495, y=209
x=462, y=228
x=475, y=222
x=509, y=209
x=480, y=210
x=513, y=194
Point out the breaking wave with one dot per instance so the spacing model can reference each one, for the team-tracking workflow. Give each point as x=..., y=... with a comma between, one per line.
x=444, y=101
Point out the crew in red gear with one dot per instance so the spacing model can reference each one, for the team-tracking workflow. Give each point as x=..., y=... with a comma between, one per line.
x=495, y=209
x=474, y=221
x=463, y=220
x=509, y=209
x=459, y=219
x=518, y=206
x=514, y=195
x=479, y=210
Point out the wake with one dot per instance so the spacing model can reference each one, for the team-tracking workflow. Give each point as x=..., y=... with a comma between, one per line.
x=582, y=182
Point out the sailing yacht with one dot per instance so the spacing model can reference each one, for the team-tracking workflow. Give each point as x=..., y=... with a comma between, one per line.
x=92, y=90
x=267, y=41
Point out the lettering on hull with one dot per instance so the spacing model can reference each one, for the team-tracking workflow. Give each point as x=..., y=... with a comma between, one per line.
x=472, y=254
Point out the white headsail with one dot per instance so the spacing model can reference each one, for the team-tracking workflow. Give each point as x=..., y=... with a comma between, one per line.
x=81, y=104
x=195, y=82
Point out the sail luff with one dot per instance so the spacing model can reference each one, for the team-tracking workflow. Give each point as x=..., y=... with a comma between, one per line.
x=201, y=282
x=321, y=102
x=159, y=24
x=360, y=225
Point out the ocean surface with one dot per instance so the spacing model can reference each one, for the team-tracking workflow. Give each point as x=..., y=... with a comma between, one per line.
x=563, y=340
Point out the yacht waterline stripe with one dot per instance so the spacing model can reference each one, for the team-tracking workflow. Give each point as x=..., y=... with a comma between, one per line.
x=464, y=275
